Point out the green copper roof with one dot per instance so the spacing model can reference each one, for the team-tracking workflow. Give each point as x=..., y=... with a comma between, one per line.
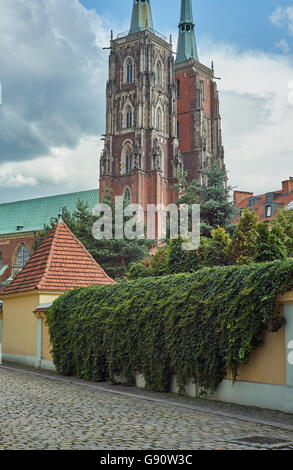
x=186, y=12
x=187, y=47
x=32, y=214
x=141, y=18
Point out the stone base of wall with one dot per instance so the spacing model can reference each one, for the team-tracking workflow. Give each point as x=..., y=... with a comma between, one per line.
x=31, y=361
x=272, y=397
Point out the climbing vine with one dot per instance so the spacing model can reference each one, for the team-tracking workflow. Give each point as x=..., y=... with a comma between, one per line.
x=199, y=325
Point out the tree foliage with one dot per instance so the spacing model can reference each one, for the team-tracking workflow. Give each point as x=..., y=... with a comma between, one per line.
x=283, y=225
x=244, y=240
x=213, y=196
x=114, y=255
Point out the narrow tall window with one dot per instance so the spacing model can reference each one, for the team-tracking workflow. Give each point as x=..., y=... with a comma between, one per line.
x=158, y=120
x=128, y=162
x=127, y=195
x=178, y=129
x=178, y=89
x=202, y=90
x=129, y=117
x=159, y=74
x=129, y=71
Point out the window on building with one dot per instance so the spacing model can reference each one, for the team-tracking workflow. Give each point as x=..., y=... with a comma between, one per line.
x=129, y=117
x=129, y=71
x=127, y=194
x=178, y=129
x=21, y=258
x=202, y=90
x=268, y=211
x=270, y=197
x=128, y=162
x=159, y=120
x=178, y=89
x=159, y=74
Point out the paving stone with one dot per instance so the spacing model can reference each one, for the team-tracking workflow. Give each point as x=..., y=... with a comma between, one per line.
x=41, y=413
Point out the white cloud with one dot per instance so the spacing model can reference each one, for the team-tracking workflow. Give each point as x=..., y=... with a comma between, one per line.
x=283, y=45
x=256, y=115
x=71, y=169
x=54, y=105
x=283, y=16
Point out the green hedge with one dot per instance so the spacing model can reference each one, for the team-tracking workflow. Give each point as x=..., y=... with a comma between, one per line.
x=193, y=325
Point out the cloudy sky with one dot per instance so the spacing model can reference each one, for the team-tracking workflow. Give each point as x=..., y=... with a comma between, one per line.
x=53, y=73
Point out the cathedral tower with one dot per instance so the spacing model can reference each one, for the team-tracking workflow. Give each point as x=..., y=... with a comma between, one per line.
x=199, y=121
x=141, y=152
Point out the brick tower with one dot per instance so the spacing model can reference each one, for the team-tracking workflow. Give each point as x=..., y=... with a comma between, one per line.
x=141, y=151
x=199, y=121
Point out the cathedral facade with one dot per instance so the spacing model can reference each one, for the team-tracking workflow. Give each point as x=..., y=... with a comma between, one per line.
x=162, y=114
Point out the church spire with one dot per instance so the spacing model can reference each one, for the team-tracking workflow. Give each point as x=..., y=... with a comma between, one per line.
x=141, y=16
x=186, y=48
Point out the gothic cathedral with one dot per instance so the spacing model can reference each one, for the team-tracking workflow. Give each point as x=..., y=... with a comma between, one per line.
x=161, y=115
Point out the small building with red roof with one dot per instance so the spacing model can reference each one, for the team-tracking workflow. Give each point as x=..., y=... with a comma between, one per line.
x=61, y=263
x=266, y=206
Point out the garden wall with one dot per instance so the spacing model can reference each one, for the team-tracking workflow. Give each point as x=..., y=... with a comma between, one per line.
x=205, y=328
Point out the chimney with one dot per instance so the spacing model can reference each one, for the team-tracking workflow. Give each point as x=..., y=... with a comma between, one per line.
x=239, y=195
x=287, y=185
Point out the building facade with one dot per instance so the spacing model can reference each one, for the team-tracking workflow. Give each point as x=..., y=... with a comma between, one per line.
x=161, y=116
x=198, y=115
x=265, y=206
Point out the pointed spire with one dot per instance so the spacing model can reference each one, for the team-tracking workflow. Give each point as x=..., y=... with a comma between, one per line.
x=141, y=16
x=187, y=48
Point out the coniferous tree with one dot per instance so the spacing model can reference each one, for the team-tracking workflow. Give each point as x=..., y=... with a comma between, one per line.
x=114, y=255
x=244, y=240
x=283, y=226
x=213, y=196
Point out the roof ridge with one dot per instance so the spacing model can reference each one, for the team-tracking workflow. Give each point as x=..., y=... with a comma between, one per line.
x=54, y=232
x=86, y=251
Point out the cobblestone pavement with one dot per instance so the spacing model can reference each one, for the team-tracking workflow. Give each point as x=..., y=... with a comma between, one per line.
x=41, y=413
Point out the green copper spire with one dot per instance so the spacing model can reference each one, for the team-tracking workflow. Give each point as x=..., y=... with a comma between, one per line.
x=141, y=16
x=186, y=48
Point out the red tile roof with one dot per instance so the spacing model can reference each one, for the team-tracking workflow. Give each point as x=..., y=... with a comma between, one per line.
x=282, y=199
x=60, y=263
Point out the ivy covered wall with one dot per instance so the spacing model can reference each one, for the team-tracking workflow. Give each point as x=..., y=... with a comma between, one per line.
x=197, y=325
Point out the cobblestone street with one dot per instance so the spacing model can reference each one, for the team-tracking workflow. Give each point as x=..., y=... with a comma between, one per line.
x=37, y=412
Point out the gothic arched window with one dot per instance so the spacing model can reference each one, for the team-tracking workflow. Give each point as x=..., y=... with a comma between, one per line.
x=129, y=117
x=21, y=258
x=127, y=195
x=128, y=162
x=159, y=74
x=159, y=120
x=129, y=71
